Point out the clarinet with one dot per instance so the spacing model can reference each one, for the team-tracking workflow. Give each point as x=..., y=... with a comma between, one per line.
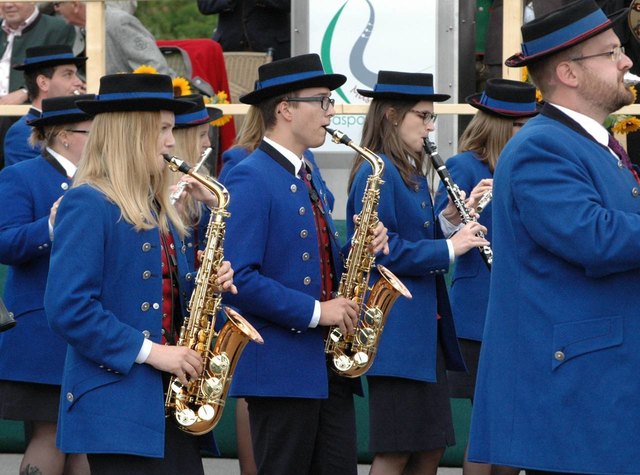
x=6, y=318
x=454, y=193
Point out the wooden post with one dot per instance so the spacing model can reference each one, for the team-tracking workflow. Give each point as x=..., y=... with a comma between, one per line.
x=512, y=13
x=95, y=45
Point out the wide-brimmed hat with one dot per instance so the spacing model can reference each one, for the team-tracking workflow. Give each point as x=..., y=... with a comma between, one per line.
x=506, y=98
x=404, y=86
x=135, y=92
x=291, y=74
x=200, y=114
x=39, y=57
x=562, y=29
x=61, y=110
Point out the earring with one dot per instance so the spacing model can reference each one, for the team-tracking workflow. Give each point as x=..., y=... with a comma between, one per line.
x=395, y=124
x=65, y=145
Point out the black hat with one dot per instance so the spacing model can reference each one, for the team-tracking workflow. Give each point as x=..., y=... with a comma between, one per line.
x=135, y=92
x=562, y=29
x=198, y=115
x=61, y=110
x=291, y=74
x=404, y=86
x=506, y=98
x=46, y=56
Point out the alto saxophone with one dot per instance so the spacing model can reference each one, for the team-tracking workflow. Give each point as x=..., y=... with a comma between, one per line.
x=353, y=355
x=198, y=406
x=454, y=193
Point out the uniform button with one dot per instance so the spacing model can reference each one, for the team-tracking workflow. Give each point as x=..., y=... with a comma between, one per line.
x=304, y=233
x=189, y=244
x=634, y=191
x=305, y=256
x=427, y=224
x=620, y=165
x=293, y=329
x=163, y=331
x=189, y=277
x=156, y=306
x=416, y=188
x=302, y=211
x=336, y=234
x=183, y=249
x=144, y=307
x=423, y=204
x=64, y=186
x=45, y=245
x=146, y=333
x=559, y=355
x=40, y=248
x=146, y=247
x=293, y=188
x=101, y=366
x=70, y=397
x=146, y=274
x=307, y=280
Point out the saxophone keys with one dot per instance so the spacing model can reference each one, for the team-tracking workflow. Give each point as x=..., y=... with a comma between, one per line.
x=342, y=363
x=366, y=337
x=206, y=412
x=373, y=316
x=186, y=417
x=335, y=335
x=361, y=358
x=212, y=387
x=219, y=364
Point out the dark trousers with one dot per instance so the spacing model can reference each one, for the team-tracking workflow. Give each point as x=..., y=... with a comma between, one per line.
x=297, y=436
x=181, y=456
x=542, y=472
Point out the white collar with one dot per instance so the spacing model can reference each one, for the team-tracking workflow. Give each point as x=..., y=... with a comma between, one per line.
x=288, y=154
x=593, y=127
x=68, y=166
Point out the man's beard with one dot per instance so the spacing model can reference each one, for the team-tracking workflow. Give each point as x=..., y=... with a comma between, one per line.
x=604, y=96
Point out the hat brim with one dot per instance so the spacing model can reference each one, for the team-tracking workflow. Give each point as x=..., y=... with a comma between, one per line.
x=214, y=114
x=474, y=101
x=331, y=81
x=59, y=120
x=78, y=61
x=519, y=60
x=404, y=96
x=132, y=105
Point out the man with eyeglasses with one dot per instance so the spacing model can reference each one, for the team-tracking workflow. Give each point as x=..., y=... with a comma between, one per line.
x=49, y=71
x=557, y=382
x=287, y=261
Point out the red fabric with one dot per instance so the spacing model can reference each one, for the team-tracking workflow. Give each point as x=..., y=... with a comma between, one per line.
x=168, y=268
x=324, y=240
x=207, y=62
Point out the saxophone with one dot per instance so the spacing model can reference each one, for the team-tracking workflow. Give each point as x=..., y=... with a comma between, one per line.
x=198, y=406
x=353, y=355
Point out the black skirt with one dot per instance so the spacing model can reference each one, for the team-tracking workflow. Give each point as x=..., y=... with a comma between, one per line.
x=410, y=416
x=21, y=401
x=462, y=385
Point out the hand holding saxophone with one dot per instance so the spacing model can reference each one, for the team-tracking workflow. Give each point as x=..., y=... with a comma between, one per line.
x=196, y=189
x=181, y=361
x=380, y=242
x=341, y=312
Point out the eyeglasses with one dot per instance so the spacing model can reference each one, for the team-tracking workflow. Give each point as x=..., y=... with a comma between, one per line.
x=518, y=124
x=614, y=55
x=77, y=131
x=325, y=101
x=426, y=116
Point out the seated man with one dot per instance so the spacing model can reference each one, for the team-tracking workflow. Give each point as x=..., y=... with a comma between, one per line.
x=128, y=43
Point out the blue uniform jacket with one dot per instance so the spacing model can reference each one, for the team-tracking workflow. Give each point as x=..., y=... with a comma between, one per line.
x=418, y=257
x=470, y=283
x=232, y=156
x=30, y=351
x=557, y=386
x=104, y=296
x=16, y=142
x=272, y=244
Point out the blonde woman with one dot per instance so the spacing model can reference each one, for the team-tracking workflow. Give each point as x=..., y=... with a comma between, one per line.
x=118, y=246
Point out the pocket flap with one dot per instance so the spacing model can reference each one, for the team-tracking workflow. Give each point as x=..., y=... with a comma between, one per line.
x=577, y=338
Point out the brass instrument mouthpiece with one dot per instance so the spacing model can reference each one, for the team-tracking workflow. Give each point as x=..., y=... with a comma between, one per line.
x=177, y=163
x=630, y=79
x=337, y=136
